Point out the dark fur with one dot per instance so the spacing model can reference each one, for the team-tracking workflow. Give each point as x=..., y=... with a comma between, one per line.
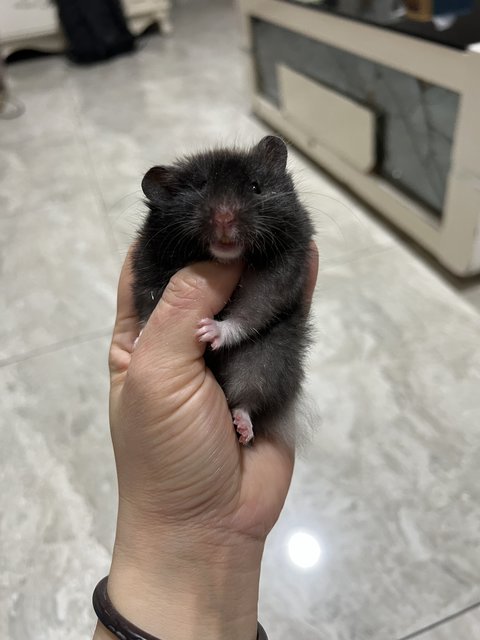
x=263, y=373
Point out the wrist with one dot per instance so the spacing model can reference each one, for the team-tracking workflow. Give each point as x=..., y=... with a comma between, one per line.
x=182, y=583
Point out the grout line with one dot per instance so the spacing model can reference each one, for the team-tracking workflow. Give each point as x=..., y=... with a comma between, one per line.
x=441, y=622
x=56, y=346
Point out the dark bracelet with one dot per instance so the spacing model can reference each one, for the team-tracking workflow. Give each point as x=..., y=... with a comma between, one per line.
x=120, y=626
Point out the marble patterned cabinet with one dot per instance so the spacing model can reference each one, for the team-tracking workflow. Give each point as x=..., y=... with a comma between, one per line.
x=395, y=117
x=33, y=24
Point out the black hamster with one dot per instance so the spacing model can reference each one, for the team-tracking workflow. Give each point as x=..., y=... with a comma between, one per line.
x=223, y=205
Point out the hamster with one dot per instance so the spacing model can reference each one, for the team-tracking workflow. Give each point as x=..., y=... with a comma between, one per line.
x=229, y=204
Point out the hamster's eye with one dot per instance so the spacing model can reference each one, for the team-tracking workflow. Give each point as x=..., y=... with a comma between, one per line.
x=255, y=187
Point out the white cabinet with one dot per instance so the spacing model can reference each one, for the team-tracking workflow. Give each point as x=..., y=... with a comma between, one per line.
x=26, y=18
x=34, y=23
x=141, y=13
x=342, y=135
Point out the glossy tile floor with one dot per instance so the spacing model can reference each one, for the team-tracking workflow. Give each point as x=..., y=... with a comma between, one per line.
x=389, y=488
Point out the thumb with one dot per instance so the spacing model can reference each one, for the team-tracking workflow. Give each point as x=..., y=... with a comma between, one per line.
x=197, y=291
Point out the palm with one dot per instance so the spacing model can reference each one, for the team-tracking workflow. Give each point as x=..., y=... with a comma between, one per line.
x=242, y=488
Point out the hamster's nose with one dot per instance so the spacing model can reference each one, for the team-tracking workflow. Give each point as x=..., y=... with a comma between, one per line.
x=223, y=217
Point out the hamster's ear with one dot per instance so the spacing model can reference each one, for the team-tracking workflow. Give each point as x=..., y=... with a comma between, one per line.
x=157, y=181
x=274, y=150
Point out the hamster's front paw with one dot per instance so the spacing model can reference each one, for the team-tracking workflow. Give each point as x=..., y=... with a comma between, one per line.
x=211, y=331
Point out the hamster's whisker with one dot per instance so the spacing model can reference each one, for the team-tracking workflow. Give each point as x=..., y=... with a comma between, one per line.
x=202, y=196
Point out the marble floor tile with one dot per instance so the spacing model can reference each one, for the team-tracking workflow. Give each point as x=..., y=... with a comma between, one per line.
x=465, y=627
x=41, y=87
x=38, y=172
x=388, y=487
x=58, y=491
x=57, y=262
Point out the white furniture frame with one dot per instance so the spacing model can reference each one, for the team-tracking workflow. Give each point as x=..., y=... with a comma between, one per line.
x=33, y=24
x=455, y=238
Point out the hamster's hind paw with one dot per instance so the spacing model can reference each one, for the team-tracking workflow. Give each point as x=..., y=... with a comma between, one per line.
x=243, y=425
x=211, y=331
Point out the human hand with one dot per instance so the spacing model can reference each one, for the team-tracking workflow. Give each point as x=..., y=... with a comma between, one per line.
x=194, y=506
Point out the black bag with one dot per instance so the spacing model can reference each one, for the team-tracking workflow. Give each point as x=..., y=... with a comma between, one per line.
x=95, y=29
